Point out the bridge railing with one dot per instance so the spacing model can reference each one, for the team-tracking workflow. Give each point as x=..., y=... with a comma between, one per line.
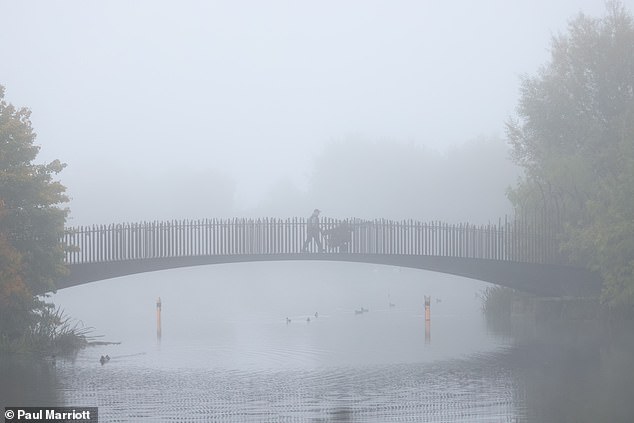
x=508, y=240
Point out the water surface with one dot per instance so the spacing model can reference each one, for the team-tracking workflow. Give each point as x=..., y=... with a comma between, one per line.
x=228, y=353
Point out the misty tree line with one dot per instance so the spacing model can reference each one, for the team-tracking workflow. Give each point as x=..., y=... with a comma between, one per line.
x=351, y=176
x=388, y=179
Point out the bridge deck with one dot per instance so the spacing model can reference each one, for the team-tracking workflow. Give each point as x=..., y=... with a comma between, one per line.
x=507, y=241
x=515, y=254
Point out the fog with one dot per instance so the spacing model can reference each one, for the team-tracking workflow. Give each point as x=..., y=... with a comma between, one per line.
x=166, y=110
x=363, y=108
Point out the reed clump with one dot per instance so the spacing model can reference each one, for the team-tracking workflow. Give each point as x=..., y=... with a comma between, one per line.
x=497, y=301
x=51, y=332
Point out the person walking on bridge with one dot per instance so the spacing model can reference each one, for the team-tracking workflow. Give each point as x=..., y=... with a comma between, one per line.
x=313, y=231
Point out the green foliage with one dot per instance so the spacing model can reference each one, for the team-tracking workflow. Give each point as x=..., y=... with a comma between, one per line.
x=32, y=220
x=32, y=217
x=16, y=301
x=574, y=137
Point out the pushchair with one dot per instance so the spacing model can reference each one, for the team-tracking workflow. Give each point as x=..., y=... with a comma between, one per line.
x=338, y=238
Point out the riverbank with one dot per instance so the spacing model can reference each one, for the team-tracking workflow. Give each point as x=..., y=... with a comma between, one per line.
x=513, y=314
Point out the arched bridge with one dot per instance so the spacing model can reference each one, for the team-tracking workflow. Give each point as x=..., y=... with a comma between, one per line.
x=516, y=254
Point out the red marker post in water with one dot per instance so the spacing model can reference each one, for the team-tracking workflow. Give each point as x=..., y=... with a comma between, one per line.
x=158, y=318
x=427, y=319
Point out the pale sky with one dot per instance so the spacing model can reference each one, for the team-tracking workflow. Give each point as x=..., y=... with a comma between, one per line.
x=139, y=95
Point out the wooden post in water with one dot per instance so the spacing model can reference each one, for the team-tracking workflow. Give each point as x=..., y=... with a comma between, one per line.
x=427, y=308
x=427, y=319
x=158, y=318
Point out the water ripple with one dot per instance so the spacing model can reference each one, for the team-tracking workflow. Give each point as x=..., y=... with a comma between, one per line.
x=458, y=390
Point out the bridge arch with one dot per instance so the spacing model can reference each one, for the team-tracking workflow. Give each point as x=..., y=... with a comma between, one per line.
x=538, y=279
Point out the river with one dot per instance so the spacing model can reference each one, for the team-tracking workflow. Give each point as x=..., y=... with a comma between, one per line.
x=286, y=342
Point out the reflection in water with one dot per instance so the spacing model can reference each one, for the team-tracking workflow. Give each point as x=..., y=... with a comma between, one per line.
x=569, y=367
x=571, y=371
x=28, y=381
x=228, y=353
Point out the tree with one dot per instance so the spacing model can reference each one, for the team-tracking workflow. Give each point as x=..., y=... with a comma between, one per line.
x=15, y=298
x=31, y=219
x=574, y=137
